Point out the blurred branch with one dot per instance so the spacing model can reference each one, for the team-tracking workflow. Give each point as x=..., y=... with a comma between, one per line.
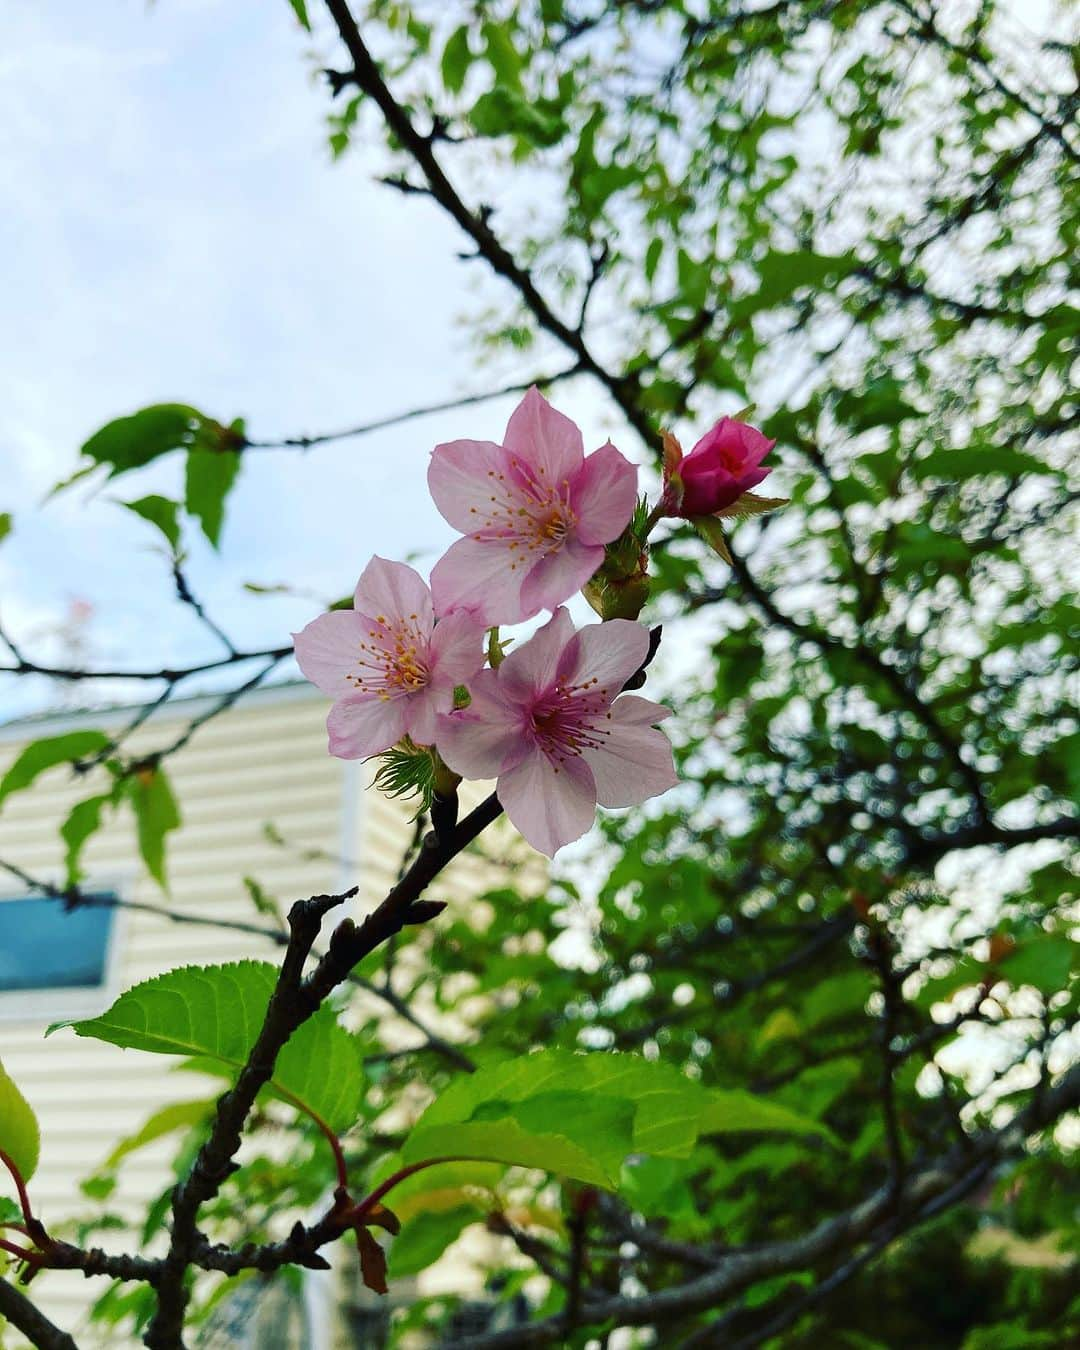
x=396, y=419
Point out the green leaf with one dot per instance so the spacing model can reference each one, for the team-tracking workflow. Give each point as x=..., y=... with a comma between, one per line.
x=83, y=820
x=652, y=258
x=156, y=813
x=580, y=1116
x=46, y=754
x=973, y=461
x=424, y=1239
x=159, y=511
x=502, y=112
x=20, y=1138
x=299, y=8
x=880, y=404
x=215, y=1013
x=210, y=476
x=502, y=55
x=781, y=274
x=456, y=60
x=5, y=525
x=1045, y=962
x=175, y=1116
x=130, y=442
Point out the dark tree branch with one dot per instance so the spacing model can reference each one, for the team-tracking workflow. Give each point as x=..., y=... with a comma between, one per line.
x=34, y=1325
x=368, y=78
x=294, y=1000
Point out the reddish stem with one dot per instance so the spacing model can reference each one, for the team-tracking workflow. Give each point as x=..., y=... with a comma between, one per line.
x=364, y=1207
x=20, y=1252
x=331, y=1137
x=20, y=1186
x=19, y=1228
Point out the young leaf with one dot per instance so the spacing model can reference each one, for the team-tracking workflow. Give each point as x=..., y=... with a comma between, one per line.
x=175, y=1116
x=710, y=529
x=156, y=813
x=423, y=1240
x=215, y=1012
x=83, y=820
x=130, y=442
x=46, y=754
x=210, y=475
x=20, y=1138
x=159, y=511
x=299, y=8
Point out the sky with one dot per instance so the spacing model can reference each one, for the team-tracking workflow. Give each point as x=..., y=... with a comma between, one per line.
x=175, y=230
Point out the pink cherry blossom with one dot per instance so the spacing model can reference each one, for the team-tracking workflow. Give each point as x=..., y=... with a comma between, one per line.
x=388, y=666
x=551, y=726
x=535, y=512
x=724, y=464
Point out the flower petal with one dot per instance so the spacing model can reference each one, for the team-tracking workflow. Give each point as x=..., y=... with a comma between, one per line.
x=550, y=805
x=531, y=669
x=603, y=495
x=559, y=575
x=485, y=739
x=459, y=479
x=636, y=760
x=394, y=590
x=457, y=648
x=362, y=725
x=545, y=441
x=607, y=653
x=479, y=576
x=328, y=651
x=422, y=709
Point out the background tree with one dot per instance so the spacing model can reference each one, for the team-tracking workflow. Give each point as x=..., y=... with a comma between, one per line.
x=863, y=219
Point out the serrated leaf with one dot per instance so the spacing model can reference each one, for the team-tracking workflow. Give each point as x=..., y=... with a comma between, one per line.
x=210, y=476
x=159, y=511
x=175, y=1116
x=711, y=530
x=47, y=754
x=156, y=814
x=580, y=1116
x=133, y=441
x=215, y=1013
x=748, y=505
x=20, y=1137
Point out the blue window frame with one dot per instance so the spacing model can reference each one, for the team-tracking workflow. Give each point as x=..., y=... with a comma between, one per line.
x=43, y=946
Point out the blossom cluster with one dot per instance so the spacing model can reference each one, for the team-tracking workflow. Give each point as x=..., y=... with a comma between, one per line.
x=549, y=722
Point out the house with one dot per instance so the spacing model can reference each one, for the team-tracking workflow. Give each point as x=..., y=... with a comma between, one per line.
x=261, y=799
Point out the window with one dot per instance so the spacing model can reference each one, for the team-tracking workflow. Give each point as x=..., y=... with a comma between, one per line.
x=53, y=961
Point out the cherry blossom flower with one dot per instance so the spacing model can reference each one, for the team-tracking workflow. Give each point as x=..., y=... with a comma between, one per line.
x=724, y=464
x=390, y=668
x=551, y=726
x=535, y=511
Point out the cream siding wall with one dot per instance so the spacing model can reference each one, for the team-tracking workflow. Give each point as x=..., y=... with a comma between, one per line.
x=262, y=761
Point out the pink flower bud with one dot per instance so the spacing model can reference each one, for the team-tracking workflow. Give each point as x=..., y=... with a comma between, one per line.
x=724, y=464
